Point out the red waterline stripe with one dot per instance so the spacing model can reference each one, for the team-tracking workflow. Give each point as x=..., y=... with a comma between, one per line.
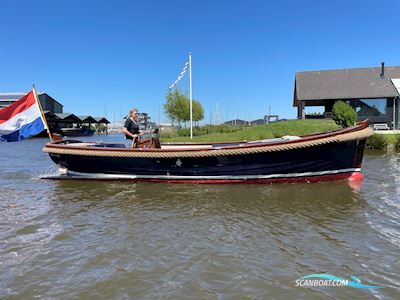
x=18, y=106
x=256, y=181
x=352, y=176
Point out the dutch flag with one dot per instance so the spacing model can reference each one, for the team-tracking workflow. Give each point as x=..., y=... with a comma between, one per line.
x=22, y=119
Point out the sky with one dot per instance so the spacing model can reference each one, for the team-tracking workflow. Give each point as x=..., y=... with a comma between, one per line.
x=102, y=58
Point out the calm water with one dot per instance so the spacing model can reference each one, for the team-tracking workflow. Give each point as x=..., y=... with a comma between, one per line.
x=103, y=240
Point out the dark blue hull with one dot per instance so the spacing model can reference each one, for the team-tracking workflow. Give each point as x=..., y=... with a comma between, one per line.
x=331, y=155
x=341, y=156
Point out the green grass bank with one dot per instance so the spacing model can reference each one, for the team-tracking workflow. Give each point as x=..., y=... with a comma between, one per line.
x=227, y=133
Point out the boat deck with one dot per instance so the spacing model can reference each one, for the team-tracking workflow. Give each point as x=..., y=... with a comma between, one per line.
x=185, y=146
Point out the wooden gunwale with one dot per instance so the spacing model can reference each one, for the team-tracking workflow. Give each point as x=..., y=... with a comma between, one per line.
x=243, y=145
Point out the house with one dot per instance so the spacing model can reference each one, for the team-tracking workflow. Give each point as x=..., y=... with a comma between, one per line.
x=236, y=122
x=8, y=98
x=47, y=102
x=258, y=122
x=370, y=91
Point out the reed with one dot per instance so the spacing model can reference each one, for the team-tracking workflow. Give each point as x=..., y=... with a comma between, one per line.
x=397, y=141
x=377, y=142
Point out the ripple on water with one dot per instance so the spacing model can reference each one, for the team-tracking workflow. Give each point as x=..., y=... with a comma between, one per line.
x=384, y=216
x=85, y=239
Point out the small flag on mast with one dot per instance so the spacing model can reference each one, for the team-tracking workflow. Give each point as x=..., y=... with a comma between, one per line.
x=21, y=120
x=181, y=75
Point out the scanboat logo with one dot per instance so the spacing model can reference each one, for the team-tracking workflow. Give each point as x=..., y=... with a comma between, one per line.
x=316, y=280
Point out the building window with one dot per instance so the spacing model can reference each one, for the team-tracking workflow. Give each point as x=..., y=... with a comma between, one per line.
x=371, y=107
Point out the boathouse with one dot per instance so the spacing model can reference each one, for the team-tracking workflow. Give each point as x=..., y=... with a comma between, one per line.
x=53, y=112
x=372, y=92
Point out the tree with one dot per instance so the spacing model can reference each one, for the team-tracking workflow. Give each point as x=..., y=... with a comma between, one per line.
x=174, y=106
x=343, y=114
x=197, y=110
x=169, y=107
x=177, y=108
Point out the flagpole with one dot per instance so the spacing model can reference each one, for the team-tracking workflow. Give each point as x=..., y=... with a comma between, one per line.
x=190, y=93
x=41, y=112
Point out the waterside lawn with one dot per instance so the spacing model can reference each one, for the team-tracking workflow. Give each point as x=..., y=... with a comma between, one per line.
x=273, y=130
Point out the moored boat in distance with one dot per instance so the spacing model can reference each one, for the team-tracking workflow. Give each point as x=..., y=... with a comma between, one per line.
x=83, y=131
x=316, y=157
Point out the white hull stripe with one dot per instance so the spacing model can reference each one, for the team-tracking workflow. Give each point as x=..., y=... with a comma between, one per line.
x=66, y=173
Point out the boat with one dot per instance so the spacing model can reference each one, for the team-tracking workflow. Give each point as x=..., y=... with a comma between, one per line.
x=82, y=131
x=323, y=156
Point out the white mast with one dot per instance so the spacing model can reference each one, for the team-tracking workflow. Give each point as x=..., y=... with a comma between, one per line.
x=190, y=94
x=113, y=119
